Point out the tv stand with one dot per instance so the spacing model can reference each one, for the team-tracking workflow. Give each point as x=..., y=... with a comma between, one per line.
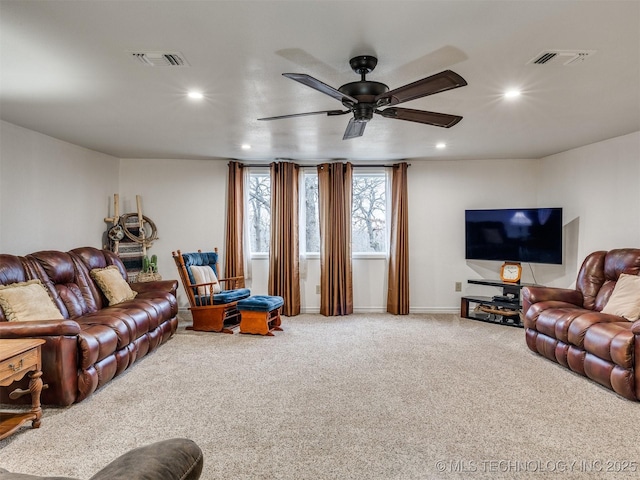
x=503, y=309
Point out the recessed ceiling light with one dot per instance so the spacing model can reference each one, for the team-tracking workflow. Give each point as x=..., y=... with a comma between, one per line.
x=195, y=95
x=513, y=93
x=441, y=145
x=246, y=146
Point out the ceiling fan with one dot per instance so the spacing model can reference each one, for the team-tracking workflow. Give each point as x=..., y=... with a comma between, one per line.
x=364, y=98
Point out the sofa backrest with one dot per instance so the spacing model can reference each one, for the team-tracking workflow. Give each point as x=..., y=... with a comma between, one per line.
x=68, y=282
x=65, y=275
x=90, y=258
x=600, y=271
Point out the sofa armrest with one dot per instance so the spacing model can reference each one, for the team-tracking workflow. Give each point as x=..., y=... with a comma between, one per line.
x=169, y=286
x=40, y=328
x=635, y=327
x=531, y=295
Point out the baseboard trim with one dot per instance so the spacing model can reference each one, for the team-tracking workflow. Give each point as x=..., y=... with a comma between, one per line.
x=417, y=310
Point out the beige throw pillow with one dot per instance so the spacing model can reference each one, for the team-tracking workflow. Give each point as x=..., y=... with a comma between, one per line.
x=205, y=275
x=28, y=301
x=114, y=287
x=625, y=298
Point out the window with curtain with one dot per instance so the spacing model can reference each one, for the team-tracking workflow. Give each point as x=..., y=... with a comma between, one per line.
x=369, y=214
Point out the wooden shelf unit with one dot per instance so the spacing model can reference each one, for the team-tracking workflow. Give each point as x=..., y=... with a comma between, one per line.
x=492, y=310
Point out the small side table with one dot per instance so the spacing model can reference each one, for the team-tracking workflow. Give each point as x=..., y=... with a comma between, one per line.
x=17, y=358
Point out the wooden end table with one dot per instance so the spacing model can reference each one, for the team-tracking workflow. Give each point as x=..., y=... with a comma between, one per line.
x=17, y=358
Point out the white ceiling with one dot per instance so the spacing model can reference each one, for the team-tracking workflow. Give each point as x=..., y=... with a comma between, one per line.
x=66, y=71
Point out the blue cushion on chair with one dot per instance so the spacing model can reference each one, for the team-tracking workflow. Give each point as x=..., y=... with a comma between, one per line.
x=201, y=259
x=261, y=303
x=225, y=296
x=210, y=259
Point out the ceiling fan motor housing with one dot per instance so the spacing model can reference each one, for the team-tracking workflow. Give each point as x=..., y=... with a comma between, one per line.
x=363, y=64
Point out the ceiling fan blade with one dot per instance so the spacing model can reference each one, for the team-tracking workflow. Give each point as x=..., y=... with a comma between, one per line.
x=329, y=113
x=354, y=129
x=420, y=116
x=440, y=82
x=316, y=84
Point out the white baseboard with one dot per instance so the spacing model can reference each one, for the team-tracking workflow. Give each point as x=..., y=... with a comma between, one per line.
x=427, y=310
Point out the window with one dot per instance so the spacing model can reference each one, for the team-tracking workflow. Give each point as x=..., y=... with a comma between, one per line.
x=259, y=210
x=369, y=212
x=310, y=217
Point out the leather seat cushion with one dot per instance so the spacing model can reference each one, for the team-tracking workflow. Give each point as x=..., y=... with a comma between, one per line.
x=613, y=342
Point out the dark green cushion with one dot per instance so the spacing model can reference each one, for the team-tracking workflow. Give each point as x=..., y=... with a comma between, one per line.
x=174, y=459
x=177, y=458
x=5, y=475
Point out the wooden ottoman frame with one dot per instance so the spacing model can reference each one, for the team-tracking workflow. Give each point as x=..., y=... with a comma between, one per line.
x=262, y=319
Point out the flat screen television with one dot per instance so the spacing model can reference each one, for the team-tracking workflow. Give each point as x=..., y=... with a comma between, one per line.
x=526, y=235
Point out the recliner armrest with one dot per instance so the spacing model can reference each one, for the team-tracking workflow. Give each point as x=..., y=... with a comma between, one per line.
x=635, y=327
x=531, y=295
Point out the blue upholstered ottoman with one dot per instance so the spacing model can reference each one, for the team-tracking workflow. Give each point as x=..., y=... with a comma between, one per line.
x=260, y=314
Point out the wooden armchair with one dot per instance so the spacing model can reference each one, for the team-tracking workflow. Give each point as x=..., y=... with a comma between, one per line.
x=213, y=308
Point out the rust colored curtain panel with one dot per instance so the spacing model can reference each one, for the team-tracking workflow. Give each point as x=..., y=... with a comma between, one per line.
x=398, y=290
x=334, y=202
x=284, y=257
x=234, y=254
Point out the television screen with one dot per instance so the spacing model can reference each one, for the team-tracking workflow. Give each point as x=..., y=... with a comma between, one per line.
x=529, y=235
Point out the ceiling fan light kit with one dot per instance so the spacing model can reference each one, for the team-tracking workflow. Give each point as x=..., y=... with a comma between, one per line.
x=364, y=97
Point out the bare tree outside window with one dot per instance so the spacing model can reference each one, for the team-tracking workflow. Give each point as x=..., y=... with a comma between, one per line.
x=369, y=213
x=312, y=227
x=259, y=211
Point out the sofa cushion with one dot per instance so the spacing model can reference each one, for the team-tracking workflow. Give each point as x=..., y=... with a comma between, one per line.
x=625, y=299
x=27, y=301
x=205, y=274
x=225, y=296
x=114, y=287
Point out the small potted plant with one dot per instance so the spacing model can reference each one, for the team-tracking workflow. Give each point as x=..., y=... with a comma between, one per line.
x=149, y=272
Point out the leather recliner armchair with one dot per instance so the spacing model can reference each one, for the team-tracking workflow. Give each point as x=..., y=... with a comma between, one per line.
x=569, y=327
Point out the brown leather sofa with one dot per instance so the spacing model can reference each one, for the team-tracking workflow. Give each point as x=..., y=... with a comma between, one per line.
x=569, y=327
x=94, y=342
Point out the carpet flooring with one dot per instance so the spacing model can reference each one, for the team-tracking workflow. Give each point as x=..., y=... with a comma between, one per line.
x=366, y=396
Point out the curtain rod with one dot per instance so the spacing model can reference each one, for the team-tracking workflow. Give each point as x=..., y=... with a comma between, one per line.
x=371, y=165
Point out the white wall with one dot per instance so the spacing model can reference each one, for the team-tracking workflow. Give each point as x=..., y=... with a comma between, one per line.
x=53, y=195
x=439, y=193
x=599, y=187
x=186, y=199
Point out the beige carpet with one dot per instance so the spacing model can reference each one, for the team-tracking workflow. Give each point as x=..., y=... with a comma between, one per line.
x=358, y=397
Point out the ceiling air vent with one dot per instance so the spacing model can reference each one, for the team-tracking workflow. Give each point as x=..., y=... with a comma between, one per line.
x=160, y=59
x=561, y=57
